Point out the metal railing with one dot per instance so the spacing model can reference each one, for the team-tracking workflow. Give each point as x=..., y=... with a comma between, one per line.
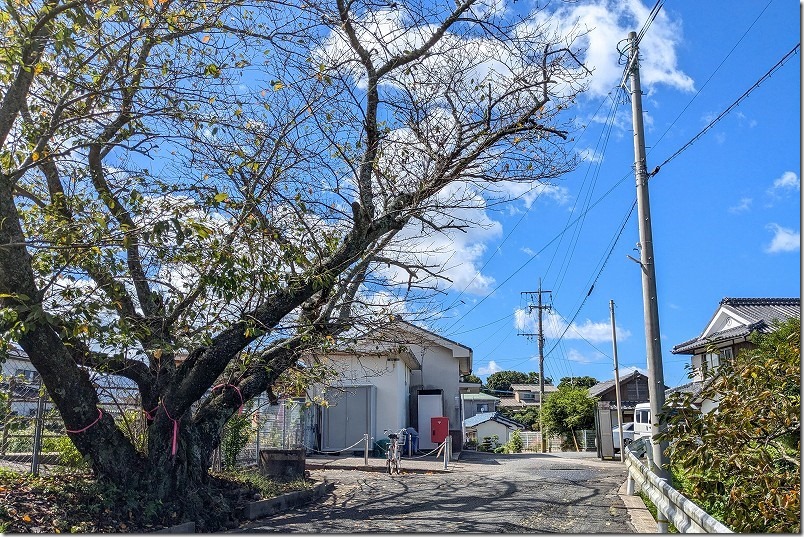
x=685, y=515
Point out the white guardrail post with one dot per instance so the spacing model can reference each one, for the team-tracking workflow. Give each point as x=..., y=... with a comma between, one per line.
x=365, y=451
x=446, y=453
x=687, y=516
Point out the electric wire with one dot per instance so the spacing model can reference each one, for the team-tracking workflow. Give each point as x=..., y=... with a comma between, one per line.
x=600, y=149
x=524, y=214
x=683, y=110
x=683, y=148
x=654, y=12
x=723, y=114
x=669, y=159
x=602, y=267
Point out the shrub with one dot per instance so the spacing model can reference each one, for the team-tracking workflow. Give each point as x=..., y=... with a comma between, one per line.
x=514, y=444
x=235, y=437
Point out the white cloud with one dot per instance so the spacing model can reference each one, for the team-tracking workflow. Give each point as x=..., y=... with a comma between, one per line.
x=488, y=369
x=529, y=192
x=589, y=155
x=784, y=239
x=453, y=253
x=554, y=325
x=788, y=182
x=574, y=355
x=609, y=22
x=743, y=206
x=630, y=369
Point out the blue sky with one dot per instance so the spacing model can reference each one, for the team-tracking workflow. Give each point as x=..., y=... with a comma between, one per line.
x=726, y=210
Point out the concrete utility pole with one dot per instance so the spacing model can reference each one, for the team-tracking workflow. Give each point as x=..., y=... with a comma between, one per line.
x=649, y=296
x=540, y=339
x=617, y=382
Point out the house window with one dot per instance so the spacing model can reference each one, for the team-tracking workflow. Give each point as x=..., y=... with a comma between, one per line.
x=712, y=360
x=28, y=374
x=528, y=396
x=642, y=416
x=483, y=408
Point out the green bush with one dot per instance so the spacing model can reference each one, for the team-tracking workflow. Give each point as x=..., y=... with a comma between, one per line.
x=741, y=463
x=69, y=455
x=236, y=434
x=514, y=444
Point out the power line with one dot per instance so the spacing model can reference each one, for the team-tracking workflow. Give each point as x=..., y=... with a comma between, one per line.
x=712, y=75
x=603, y=266
x=729, y=109
x=535, y=255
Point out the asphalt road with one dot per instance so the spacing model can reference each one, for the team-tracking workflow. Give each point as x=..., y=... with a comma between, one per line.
x=485, y=493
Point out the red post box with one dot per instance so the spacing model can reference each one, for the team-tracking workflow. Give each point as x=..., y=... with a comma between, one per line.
x=439, y=429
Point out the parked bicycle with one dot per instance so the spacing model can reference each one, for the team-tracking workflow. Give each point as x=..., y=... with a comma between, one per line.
x=394, y=453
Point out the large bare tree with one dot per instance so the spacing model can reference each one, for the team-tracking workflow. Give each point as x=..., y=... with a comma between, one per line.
x=193, y=193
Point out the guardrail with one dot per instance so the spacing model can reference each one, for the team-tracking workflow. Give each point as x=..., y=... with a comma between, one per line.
x=685, y=515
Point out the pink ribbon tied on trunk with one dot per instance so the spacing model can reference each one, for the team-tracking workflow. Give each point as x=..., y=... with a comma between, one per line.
x=175, y=443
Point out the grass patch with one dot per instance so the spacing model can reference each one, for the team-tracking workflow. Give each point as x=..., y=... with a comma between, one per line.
x=74, y=502
x=652, y=508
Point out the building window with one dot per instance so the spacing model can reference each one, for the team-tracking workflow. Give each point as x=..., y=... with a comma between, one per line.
x=642, y=416
x=28, y=374
x=712, y=360
x=482, y=408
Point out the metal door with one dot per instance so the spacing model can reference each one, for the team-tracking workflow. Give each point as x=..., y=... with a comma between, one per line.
x=430, y=406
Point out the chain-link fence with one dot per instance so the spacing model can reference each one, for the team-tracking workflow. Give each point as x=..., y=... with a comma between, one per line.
x=32, y=434
x=33, y=437
x=281, y=426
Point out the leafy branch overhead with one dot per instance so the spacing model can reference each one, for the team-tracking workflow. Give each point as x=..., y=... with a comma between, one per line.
x=195, y=193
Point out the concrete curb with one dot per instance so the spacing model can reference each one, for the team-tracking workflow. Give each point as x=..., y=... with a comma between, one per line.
x=187, y=527
x=290, y=500
x=638, y=514
x=377, y=469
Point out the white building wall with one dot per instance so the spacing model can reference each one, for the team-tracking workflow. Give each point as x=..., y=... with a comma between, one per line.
x=392, y=380
x=440, y=371
x=490, y=428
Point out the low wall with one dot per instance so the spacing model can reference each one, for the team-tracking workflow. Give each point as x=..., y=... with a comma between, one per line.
x=286, y=464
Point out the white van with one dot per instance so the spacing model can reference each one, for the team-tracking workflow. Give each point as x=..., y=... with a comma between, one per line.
x=642, y=425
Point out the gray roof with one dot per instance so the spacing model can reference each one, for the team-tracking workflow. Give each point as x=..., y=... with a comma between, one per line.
x=483, y=417
x=759, y=312
x=478, y=397
x=533, y=387
x=693, y=388
x=602, y=387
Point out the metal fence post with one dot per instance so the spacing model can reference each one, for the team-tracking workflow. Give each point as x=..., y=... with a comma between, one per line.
x=365, y=451
x=37, y=438
x=256, y=416
x=284, y=425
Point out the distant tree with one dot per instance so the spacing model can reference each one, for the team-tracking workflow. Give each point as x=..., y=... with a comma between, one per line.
x=742, y=463
x=577, y=382
x=471, y=378
x=569, y=409
x=533, y=378
x=529, y=416
x=502, y=380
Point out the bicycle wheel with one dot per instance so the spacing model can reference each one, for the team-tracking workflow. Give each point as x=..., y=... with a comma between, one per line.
x=396, y=464
x=388, y=466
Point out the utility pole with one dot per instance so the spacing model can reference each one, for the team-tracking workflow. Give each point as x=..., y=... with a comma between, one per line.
x=540, y=340
x=617, y=382
x=649, y=296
